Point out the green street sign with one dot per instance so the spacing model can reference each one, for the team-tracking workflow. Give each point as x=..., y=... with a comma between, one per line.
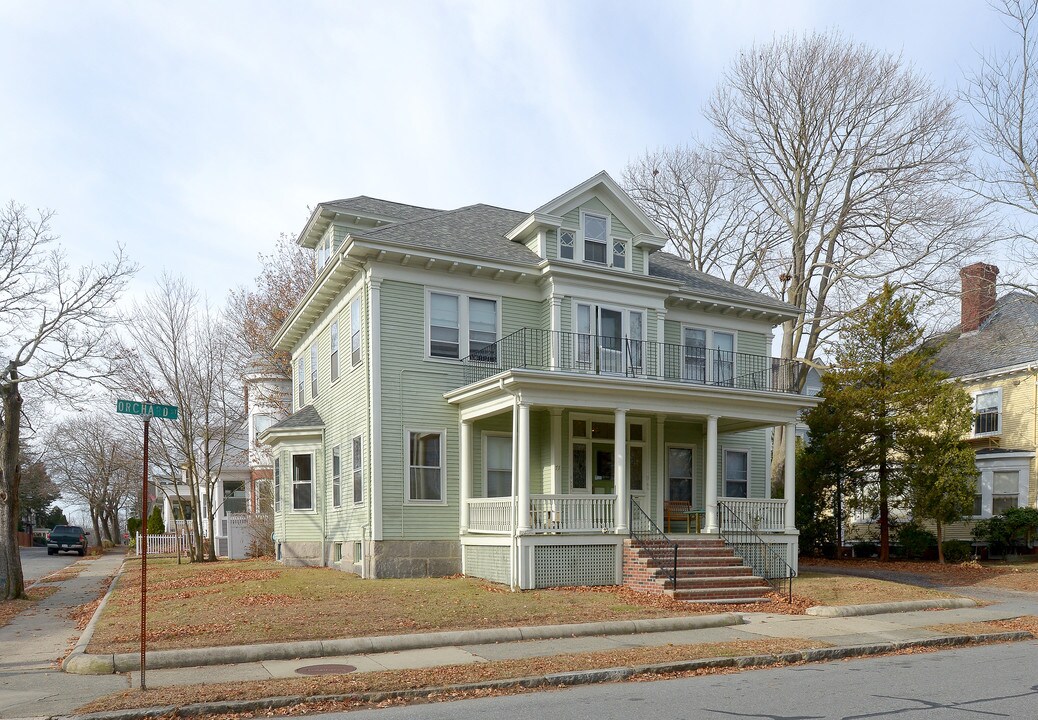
x=132, y=407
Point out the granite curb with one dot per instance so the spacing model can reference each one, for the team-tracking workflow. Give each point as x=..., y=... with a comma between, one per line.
x=831, y=611
x=102, y=664
x=578, y=677
x=78, y=661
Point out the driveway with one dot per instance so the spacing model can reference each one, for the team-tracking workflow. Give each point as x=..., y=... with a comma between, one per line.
x=36, y=562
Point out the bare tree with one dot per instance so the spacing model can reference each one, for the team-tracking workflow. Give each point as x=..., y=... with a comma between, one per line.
x=712, y=216
x=855, y=160
x=187, y=356
x=55, y=323
x=1003, y=94
x=95, y=463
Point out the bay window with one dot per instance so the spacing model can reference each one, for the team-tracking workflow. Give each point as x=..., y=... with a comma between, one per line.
x=302, y=482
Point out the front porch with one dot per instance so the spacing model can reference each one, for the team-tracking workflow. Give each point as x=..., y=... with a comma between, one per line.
x=552, y=471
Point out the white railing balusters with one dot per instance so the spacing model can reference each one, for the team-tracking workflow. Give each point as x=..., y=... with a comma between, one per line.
x=758, y=514
x=548, y=514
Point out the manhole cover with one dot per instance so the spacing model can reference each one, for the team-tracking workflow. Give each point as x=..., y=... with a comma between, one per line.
x=330, y=669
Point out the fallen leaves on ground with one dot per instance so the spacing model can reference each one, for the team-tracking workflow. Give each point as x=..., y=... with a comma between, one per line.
x=1024, y=623
x=443, y=675
x=9, y=609
x=1020, y=576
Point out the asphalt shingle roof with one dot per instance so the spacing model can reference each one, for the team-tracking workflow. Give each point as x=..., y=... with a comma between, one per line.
x=1009, y=337
x=476, y=230
x=362, y=204
x=306, y=417
x=665, y=265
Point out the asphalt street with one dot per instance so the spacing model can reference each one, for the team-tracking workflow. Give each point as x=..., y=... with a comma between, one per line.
x=995, y=681
x=36, y=562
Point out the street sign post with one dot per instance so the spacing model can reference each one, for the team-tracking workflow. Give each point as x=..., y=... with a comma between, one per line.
x=148, y=411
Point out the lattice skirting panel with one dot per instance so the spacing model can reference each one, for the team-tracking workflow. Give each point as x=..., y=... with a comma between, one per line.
x=488, y=562
x=566, y=565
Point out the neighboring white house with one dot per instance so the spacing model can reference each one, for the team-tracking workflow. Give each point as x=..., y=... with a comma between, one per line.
x=506, y=394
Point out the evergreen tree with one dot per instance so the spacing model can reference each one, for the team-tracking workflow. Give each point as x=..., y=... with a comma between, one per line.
x=894, y=424
x=155, y=524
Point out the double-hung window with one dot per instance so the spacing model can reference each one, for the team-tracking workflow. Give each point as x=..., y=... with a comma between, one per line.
x=355, y=332
x=334, y=359
x=425, y=466
x=736, y=473
x=336, y=477
x=302, y=482
x=1005, y=488
x=313, y=371
x=277, y=485
x=499, y=466
x=462, y=326
x=596, y=239
x=358, y=470
x=987, y=409
x=300, y=382
x=709, y=356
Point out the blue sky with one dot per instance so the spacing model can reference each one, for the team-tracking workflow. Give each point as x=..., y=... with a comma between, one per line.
x=195, y=132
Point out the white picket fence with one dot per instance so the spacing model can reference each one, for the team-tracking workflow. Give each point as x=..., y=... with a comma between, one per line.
x=163, y=544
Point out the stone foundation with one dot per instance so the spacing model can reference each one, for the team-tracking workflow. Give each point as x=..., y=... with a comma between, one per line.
x=300, y=554
x=413, y=558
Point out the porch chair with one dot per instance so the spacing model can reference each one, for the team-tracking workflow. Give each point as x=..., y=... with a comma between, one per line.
x=680, y=510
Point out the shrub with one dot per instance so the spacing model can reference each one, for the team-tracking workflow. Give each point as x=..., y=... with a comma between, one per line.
x=133, y=526
x=866, y=549
x=915, y=540
x=155, y=524
x=106, y=544
x=956, y=551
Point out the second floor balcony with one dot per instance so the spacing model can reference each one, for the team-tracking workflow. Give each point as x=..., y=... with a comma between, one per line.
x=581, y=353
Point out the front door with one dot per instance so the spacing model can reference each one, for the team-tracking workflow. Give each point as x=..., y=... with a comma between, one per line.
x=602, y=456
x=681, y=483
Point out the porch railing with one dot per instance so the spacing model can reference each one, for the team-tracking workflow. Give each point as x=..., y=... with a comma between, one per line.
x=647, y=535
x=554, y=350
x=763, y=516
x=548, y=514
x=490, y=515
x=753, y=549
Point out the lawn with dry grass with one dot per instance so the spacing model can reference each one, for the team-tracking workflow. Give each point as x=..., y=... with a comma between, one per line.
x=828, y=589
x=439, y=676
x=230, y=603
x=1024, y=623
x=1018, y=575
x=9, y=609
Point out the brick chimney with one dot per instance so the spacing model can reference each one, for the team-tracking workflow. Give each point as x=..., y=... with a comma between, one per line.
x=978, y=294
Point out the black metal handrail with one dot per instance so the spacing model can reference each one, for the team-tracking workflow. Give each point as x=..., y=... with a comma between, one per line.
x=648, y=536
x=753, y=549
x=555, y=350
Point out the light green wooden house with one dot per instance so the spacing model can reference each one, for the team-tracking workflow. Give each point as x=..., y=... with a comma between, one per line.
x=506, y=394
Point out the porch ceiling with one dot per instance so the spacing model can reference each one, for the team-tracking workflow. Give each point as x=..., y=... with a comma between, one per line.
x=738, y=409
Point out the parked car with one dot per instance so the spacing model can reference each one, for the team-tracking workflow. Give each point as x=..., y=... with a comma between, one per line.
x=71, y=538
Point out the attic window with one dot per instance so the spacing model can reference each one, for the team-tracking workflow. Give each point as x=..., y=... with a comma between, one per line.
x=595, y=239
x=619, y=253
x=567, y=241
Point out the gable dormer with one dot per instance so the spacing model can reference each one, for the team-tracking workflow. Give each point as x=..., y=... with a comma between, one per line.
x=595, y=224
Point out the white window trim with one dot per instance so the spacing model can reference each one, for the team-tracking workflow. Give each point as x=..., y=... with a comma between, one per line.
x=974, y=395
x=442, y=502
x=608, y=234
x=336, y=478
x=725, y=449
x=987, y=483
x=358, y=331
x=463, y=321
x=315, y=383
x=313, y=483
x=709, y=330
x=300, y=382
x=277, y=484
x=334, y=352
x=486, y=467
x=646, y=461
x=354, y=468
x=665, y=470
x=588, y=442
x=558, y=243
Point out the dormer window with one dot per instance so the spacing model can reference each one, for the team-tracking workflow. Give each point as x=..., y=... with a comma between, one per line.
x=567, y=243
x=596, y=239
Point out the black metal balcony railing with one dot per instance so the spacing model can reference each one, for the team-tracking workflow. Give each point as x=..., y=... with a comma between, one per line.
x=985, y=422
x=536, y=349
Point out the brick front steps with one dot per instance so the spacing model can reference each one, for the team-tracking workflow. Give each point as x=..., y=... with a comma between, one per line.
x=708, y=572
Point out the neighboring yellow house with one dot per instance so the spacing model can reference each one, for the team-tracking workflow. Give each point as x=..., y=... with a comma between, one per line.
x=994, y=356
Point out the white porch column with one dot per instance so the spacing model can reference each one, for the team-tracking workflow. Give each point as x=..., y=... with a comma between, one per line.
x=465, y=461
x=620, y=469
x=791, y=476
x=523, y=469
x=661, y=467
x=556, y=451
x=556, y=329
x=711, y=474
